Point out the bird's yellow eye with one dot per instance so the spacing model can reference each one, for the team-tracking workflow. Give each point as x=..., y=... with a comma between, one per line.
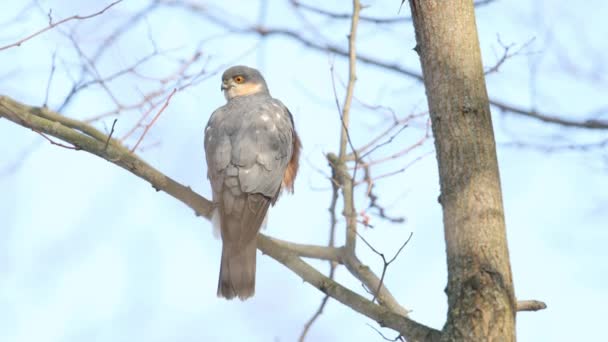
x=239, y=79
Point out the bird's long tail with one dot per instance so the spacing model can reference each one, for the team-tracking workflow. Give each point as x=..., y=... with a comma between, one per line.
x=237, y=271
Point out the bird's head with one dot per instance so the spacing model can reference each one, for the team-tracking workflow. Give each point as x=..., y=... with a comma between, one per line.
x=241, y=80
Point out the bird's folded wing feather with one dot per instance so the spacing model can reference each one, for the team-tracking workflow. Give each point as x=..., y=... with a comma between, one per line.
x=252, y=142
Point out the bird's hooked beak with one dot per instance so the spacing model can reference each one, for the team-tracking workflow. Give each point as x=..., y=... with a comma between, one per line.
x=226, y=85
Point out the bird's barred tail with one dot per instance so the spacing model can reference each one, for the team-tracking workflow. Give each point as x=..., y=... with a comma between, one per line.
x=237, y=271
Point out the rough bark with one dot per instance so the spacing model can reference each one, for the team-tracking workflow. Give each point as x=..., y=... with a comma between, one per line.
x=480, y=293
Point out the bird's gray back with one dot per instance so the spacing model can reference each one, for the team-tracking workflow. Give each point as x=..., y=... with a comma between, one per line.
x=252, y=136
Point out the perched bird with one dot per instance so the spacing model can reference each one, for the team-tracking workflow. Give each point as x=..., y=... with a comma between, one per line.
x=252, y=152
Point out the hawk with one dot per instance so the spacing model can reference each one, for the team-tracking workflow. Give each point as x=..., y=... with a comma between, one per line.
x=252, y=152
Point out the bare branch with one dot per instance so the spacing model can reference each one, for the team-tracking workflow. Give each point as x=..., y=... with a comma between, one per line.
x=333, y=15
x=420, y=142
x=54, y=142
x=264, y=31
x=316, y=315
x=410, y=329
x=506, y=54
x=87, y=138
x=332, y=263
x=104, y=47
x=398, y=338
x=371, y=281
x=344, y=179
x=110, y=135
x=311, y=251
x=530, y=305
x=386, y=142
x=403, y=169
x=583, y=147
x=50, y=80
x=347, y=191
x=589, y=124
x=480, y=3
x=53, y=25
x=386, y=263
x=373, y=200
x=148, y=126
x=550, y=118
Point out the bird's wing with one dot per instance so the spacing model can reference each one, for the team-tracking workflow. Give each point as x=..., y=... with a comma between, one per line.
x=264, y=148
x=289, y=177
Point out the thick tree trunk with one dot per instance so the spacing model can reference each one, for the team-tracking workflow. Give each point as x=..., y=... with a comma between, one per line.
x=480, y=294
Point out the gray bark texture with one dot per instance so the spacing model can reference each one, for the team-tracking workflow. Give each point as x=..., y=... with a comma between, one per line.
x=481, y=299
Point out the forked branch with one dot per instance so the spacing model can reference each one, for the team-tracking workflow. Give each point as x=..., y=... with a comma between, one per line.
x=87, y=138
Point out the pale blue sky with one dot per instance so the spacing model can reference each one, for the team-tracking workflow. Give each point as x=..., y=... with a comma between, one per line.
x=88, y=252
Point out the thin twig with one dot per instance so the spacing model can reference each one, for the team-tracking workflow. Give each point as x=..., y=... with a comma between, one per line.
x=396, y=123
x=384, y=143
x=352, y=77
x=333, y=15
x=102, y=48
x=371, y=281
x=55, y=24
x=347, y=187
x=386, y=263
x=397, y=68
x=373, y=200
x=90, y=66
x=50, y=80
x=340, y=113
x=403, y=169
x=54, y=142
x=398, y=338
x=507, y=54
x=148, y=126
x=420, y=142
x=582, y=147
x=110, y=135
x=317, y=313
x=265, y=32
x=332, y=263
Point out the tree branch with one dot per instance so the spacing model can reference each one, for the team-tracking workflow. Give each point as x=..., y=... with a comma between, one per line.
x=147, y=127
x=332, y=264
x=412, y=330
x=53, y=25
x=311, y=251
x=87, y=138
x=316, y=315
x=589, y=124
x=530, y=305
x=337, y=164
x=333, y=15
x=317, y=10
x=549, y=118
x=372, y=282
x=264, y=31
x=346, y=180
